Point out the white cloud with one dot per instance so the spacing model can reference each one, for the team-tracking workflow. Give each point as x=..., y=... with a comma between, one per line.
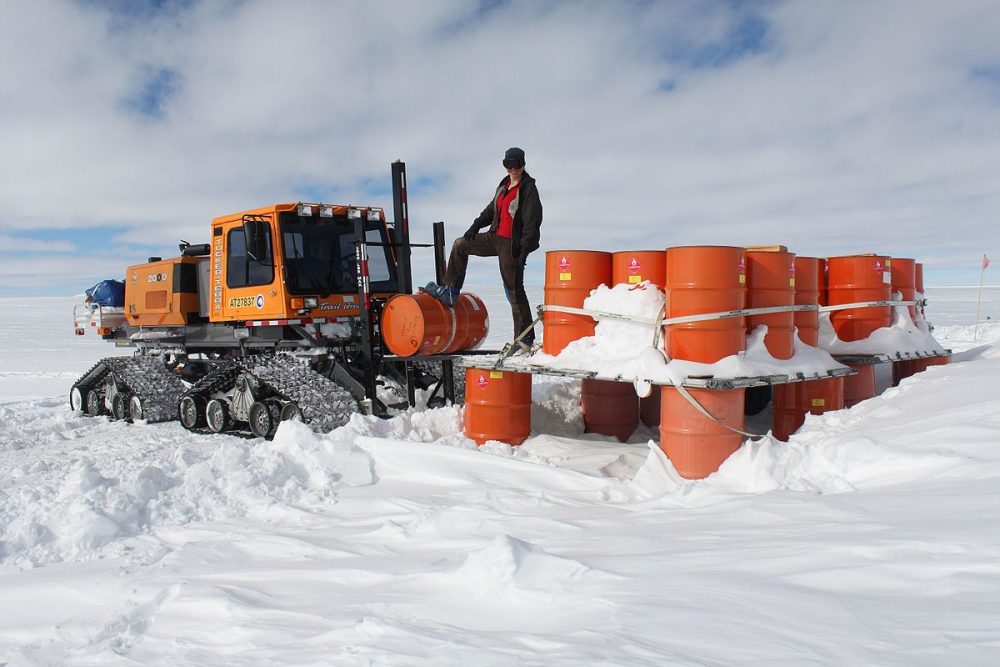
x=859, y=128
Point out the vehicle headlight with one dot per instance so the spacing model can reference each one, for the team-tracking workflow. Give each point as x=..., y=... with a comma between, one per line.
x=311, y=302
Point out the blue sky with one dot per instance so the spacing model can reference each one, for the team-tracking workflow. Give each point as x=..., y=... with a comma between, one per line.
x=829, y=127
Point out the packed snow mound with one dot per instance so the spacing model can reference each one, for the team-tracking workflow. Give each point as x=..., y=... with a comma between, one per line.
x=903, y=335
x=87, y=505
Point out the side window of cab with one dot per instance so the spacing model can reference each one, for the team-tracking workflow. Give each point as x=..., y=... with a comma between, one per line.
x=241, y=270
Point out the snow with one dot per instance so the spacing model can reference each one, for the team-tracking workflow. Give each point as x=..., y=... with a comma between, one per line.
x=871, y=537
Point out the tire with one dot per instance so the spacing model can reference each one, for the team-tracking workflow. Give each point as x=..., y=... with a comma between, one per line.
x=217, y=416
x=119, y=407
x=262, y=424
x=135, y=408
x=75, y=399
x=190, y=411
x=94, y=405
x=290, y=412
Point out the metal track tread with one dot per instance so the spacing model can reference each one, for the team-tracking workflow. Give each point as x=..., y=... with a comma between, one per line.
x=152, y=382
x=324, y=404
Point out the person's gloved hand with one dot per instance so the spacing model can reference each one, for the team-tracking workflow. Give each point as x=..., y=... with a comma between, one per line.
x=470, y=233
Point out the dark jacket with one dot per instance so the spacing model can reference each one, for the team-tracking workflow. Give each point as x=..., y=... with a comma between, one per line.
x=527, y=216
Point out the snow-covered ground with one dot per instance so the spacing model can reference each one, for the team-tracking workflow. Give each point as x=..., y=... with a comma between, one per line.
x=872, y=537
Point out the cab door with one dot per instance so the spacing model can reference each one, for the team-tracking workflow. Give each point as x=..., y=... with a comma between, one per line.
x=246, y=287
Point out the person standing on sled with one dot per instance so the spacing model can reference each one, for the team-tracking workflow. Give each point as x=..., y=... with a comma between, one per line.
x=514, y=219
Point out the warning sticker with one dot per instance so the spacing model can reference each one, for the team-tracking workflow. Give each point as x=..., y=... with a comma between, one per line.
x=496, y=375
x=743, y=278
x=819, y=402
x=791, y=281
x=634, y=280
x=565, y=276
x=563, y=263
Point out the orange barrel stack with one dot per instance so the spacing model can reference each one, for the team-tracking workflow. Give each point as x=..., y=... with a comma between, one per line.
x=792, y=401
x=771, y=282
x=701, y=280
x=420, y=324
x=570, y=276
x=612, y=408
x=497, y=406
x=857, y=279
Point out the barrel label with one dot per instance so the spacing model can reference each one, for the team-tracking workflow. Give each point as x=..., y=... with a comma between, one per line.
x=496, y=375
x=634, y=266
x=482, y=382
x=634, y=280
x=565, y=276
x=791, y=281
x=743, y=278
x=563, y=263
x=819, y=402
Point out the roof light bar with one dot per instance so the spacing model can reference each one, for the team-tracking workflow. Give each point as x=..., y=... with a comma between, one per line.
x=374, y=214
x=306, y=210
x=325, y=211
x=354, y=214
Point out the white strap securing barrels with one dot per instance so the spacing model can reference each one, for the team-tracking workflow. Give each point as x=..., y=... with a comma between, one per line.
x=702, y=317
x=866, y=304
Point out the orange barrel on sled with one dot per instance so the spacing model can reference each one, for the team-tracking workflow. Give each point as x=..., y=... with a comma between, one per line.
x=420, y=324
x=904, y=281
x=702, y=280
x=856, y=279
x=609, y=408
x=771, y=282
x=497, y=406
x=632, y=268
x=570, y=276
x=807, y=293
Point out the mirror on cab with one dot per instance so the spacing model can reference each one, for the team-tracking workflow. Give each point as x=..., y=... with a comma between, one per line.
x=255, y=231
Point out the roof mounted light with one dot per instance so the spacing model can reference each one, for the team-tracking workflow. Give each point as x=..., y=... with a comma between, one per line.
x=306, y=210
x=325, y=211
x=374, y=214
x=354, y=214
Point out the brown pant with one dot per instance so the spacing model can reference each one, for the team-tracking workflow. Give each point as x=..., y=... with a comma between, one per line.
x=490, y=244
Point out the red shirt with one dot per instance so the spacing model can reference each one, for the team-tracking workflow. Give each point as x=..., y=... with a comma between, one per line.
x=506, y=226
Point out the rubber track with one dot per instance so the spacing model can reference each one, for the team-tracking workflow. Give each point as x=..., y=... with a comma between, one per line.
x=157, y=387
x=325, y=405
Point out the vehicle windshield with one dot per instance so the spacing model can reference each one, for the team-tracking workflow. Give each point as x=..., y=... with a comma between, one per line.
x=319, y=256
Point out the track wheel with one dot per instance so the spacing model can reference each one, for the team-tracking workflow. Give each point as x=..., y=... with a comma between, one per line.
x=290, y=411
x=119, y=407
x=75, y=399
x=135, y=408
x=95, y=403
x=190, y=412
x=217, y=416
x=262, y=424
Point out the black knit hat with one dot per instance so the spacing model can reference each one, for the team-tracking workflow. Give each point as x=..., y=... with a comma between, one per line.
x=514, y=154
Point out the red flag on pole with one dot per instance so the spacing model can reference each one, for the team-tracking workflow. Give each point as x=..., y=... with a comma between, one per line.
x=986, y=262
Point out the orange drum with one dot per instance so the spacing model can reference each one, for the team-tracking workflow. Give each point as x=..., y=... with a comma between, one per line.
x=855, y=279
x=609, y=408
x=420, y=324
x=771, y=282
x=793, y=401
x=922, y=364
x=632, y=268
x=570, y=277
x=696, y=445
x=821, y=287
x=497, y=406
x=701, y=280
x=859, y=387
x=904, y=280
x=807, y=293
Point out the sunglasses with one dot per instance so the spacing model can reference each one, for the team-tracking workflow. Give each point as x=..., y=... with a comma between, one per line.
x=512, y=164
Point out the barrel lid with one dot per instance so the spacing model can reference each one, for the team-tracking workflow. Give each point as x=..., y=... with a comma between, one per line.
x=403, y=325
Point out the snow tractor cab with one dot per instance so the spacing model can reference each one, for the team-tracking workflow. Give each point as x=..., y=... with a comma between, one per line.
x=277, y=317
